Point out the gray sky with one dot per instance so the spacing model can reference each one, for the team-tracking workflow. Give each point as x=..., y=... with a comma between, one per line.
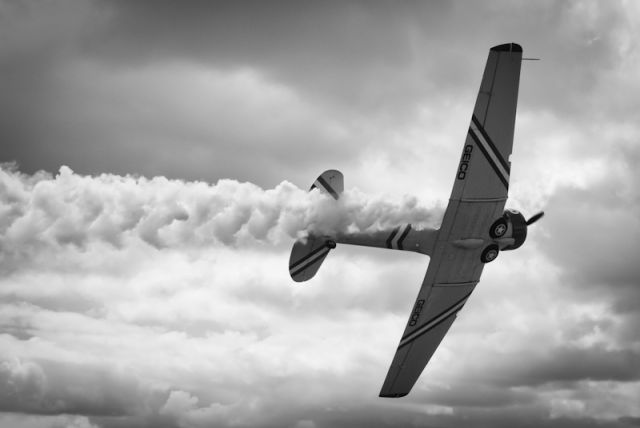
x=108, y=320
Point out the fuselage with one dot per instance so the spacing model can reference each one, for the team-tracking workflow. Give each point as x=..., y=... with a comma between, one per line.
x=508, y=233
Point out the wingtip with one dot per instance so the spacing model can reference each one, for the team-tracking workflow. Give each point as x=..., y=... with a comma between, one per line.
x=507, y=47
x=393, y=395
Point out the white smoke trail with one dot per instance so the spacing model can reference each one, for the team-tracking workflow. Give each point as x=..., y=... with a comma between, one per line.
x=72, y=209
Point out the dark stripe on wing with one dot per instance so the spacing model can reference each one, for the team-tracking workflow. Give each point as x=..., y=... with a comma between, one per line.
x=433, y=319
x=502, y=178
x=430, y=328
x=493, y=147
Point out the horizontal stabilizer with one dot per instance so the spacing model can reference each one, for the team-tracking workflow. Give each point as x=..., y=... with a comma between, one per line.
x=306, y=257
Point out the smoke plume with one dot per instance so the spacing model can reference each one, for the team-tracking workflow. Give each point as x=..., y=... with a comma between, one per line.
x=72, y=209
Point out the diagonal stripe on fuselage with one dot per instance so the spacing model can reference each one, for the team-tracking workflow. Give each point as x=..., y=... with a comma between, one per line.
x=394, y=241
x=392, y=236
x=407, y=229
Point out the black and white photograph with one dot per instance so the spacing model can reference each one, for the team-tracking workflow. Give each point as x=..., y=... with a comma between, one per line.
x=319, y=214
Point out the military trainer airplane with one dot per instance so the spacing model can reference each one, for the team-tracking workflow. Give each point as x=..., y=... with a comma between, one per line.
x=474, y=229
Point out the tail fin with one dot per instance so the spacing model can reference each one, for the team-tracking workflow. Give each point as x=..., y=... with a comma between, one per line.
x=331, y=182
x=306, y=257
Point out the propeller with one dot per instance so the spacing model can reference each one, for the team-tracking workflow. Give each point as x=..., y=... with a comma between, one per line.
x=535, y=218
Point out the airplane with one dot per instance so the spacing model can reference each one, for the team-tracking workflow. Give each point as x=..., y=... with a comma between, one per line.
x=474, y=229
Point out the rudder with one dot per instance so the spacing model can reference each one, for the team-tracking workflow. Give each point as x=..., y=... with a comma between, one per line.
x=331, y=181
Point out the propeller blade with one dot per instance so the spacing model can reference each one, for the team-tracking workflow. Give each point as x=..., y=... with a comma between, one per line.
x=535, y=218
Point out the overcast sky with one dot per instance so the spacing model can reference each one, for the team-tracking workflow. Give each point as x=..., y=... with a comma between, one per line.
x=152, y=147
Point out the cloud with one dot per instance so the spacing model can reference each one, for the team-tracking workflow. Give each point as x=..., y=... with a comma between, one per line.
x=213, y=115
x=39, y=421
x=567, y=364
x=221, y=336
x=188, y=93
x=51, y=387
x=593, y=231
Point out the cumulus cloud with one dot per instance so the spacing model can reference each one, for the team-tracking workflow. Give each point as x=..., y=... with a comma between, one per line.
x=177, y=342
x=54, y=387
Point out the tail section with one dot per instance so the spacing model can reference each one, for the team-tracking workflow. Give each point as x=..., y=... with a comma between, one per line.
x=331, y=182
x=306, y=257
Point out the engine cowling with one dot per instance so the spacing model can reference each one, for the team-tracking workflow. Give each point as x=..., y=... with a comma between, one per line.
x=509, y=231
x=516, y=229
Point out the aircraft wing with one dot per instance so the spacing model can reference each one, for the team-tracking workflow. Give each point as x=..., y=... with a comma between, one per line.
x=477, y=200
